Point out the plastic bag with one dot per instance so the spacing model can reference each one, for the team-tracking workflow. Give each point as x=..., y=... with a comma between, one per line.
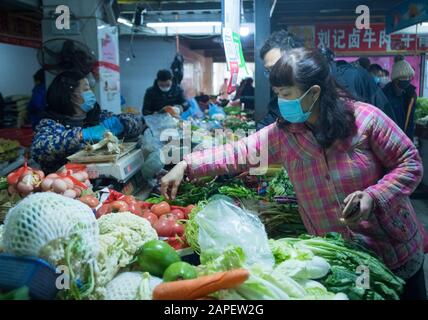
x=216, y=112
x=194, y=110
x=222, y=224
x=157, y=123
x=152, y=165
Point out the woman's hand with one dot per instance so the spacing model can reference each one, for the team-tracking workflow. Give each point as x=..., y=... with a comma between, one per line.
x=358, y=207
x=172, y=180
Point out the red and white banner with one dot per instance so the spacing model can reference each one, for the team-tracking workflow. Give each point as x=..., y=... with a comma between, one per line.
x=347, y=38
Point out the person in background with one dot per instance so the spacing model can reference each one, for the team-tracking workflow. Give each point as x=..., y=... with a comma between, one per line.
x=402, y=95
x=385, y=78
x=163, y=94
x=223, y=90
x=37, y=104
x=355, y=80
x=274, y=47
x=377, y=72
x=73, y=119
x=337, y=151
x=364, y=63
x=245, y=94
x=359, y=83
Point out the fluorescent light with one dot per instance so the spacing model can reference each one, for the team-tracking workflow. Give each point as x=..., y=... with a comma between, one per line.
x=244, y=31
x=125, y=22
x=184, y=24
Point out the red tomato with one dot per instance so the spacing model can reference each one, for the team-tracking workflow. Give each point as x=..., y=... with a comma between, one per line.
x=135, y=209
x=91, y=201
x=150, y=216
x=144, y=205
x=178, y=214
x=119, y=206
x=167, y=226
x=105, y=209
x=161, y=208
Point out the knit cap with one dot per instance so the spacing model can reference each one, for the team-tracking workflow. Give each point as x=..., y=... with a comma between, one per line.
x=402, y=68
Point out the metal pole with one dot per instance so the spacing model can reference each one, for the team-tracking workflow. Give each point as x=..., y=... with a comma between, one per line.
x=262, y=31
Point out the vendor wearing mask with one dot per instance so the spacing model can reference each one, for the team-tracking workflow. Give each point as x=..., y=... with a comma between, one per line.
x=164, y=93
x=337, y=151
x=402, y=95
x=72, y=119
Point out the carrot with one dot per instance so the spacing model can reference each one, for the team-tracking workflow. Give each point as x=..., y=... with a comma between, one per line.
x=200, y=287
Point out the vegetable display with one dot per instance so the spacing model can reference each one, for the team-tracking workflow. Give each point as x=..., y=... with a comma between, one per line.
x=344, y=259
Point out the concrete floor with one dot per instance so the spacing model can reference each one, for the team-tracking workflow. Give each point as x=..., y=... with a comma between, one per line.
x=421, y=208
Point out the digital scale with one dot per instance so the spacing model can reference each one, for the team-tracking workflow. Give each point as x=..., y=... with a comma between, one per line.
x=122, y=171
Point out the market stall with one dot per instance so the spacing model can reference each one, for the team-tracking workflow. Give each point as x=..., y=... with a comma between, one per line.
x=227, y=238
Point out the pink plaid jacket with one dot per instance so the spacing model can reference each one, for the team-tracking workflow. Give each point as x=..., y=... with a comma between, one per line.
x=378, y=159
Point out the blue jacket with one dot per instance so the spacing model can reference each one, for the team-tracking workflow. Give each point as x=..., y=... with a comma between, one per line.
x=57, y=137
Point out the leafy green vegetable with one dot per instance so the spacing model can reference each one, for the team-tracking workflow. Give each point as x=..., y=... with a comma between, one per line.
x=280, y=185
x=191, y=229
x=232, y=258
x=237, y=191
x=421, y=108
x=344, y=259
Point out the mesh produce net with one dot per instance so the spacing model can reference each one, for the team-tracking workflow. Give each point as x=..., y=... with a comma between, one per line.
x=60, y=230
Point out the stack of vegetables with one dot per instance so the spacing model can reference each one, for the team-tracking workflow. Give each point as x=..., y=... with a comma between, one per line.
x=26, y=180
x=305, y=268
x=347, y=260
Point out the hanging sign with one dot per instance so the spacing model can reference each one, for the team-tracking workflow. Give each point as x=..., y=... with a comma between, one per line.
x=347, y=38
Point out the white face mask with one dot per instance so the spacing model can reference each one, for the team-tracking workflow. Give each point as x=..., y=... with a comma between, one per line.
x=165, y=89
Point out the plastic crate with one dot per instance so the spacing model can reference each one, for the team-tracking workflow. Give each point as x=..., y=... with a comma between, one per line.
x=36, y=274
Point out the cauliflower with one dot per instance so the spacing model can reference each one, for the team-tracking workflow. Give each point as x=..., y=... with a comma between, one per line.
x=131, y=286
x=60, y=230
x=122, y=234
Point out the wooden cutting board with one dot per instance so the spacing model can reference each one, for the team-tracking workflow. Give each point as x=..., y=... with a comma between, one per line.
x=101, y=156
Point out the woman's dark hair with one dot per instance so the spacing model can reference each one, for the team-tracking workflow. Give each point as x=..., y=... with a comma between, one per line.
x=306, y=68
x=164, y=75
x=60, y=92
x=39, y=76
x=375, y=68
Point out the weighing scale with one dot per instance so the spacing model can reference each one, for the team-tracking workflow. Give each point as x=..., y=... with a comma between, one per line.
x=122, y=171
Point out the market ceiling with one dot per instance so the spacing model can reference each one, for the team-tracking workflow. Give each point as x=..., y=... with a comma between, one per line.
x=309, y=12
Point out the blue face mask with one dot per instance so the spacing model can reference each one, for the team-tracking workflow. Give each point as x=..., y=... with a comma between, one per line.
x=291, y=110
x=377, y=80
x=89, y=100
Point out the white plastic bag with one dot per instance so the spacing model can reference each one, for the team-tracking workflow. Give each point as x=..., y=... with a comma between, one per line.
x=222, y=224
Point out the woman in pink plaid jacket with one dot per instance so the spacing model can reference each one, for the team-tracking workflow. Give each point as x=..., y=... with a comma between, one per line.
x=336, y=151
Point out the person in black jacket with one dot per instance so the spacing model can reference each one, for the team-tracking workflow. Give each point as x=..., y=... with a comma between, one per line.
x=359, y=83
x=402, y=95
x=164, y=93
